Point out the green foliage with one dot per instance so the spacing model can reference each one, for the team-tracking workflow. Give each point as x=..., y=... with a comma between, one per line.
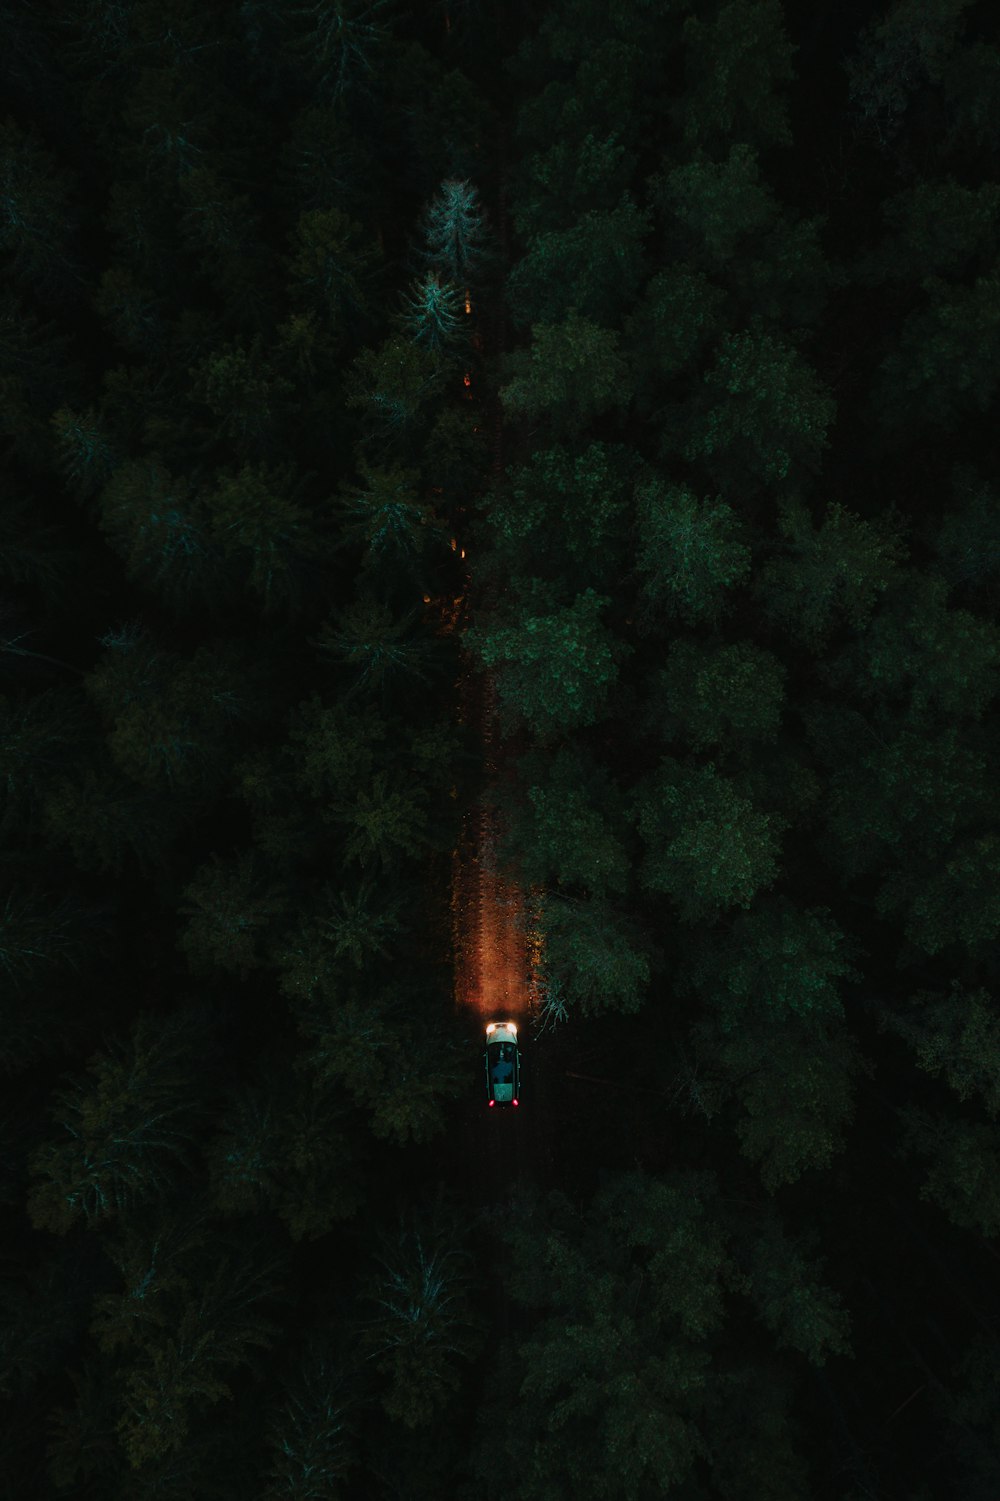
x=970, y=84
x=161, y=527
x=593, y=959
x=454, y=239
x=610, y=1390
x=380, y=808
x=573, y=372
x=127, y=1126
x=41, y=934
x=717, y=204
x=957, y=902
x=421, y=1328
x=229, y=906
x=793, y=1303
x=38, y=1321
x=690, y=552
x=86, y=454
x=34, y=556
x=260, y=520
x=432, y=312
x=794, y=1080
x=777, y=958
x=215, y=1325
x=329, y=267
x=384, y=821
x=966, y=541
x=936, y=229
x=897, y=794
x=711, y=694
x=919, y=653
x=385, y=513
x=764, y=409
x=705, y=844
x=311, y=1435
x=340, y=43
x=897, y=54
x=825, y=574
x=565, y=834
x=282, y=1144
x=455, y=454
x=243, y=391
x=171, y=723
x=37, y=213
x=555, y=670
x=82, y=1440
x=392, y=386
x=40, y=736
x=335, y=746
x=680, y=314
x=945, y=364
x=384, y=651
x=734, y=63
x=107, y=821
x=592, y=267
x=364, y=1042
x=562, y=181
x=133, y=311
x=528, y=515
x=36, y=378
x=955, y=1036
x=962, y=1163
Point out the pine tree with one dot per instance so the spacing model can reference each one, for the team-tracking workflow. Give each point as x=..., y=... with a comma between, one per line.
x=454, y=237
x=229, y=906
x=432, y=312
x=312, y=1437
x=691, y=552
x=127, y=1127
x=421, y=1325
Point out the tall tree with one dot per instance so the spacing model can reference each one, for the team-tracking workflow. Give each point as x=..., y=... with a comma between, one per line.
x=127, y=1128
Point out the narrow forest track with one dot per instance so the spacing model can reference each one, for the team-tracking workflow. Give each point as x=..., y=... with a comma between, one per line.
x=493, y=947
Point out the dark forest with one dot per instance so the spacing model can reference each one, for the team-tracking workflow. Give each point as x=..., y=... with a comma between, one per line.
x=548, y=451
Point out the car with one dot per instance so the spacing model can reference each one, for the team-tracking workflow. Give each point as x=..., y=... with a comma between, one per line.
x=503, y=1064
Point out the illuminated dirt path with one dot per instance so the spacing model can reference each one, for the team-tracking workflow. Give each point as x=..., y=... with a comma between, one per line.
x=490, y=911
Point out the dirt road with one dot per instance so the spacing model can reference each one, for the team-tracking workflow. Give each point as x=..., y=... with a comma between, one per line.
x=490, y=911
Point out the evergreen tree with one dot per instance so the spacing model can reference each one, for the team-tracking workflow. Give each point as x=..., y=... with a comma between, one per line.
x=711, y=694
x=689, y=553
x=592, y=267
x=312, y=1437
x=431, y=312
x=706, y=845
x=556, y=669
x=734, y=62
x=793, y=1079
x=37, y=214
x=454, y=238
x=592, y=959
x=567, y=831
x=573, y=372
x=820, y=575
x=229, y=908
x=764, y=410
x=954, y=1035
x=787, y=959
x=128, y=1127
x=800, y=1312
x=421, y=1326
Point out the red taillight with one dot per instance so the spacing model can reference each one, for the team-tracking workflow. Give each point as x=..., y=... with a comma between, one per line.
x=514, y=1102
x=492, y=1103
